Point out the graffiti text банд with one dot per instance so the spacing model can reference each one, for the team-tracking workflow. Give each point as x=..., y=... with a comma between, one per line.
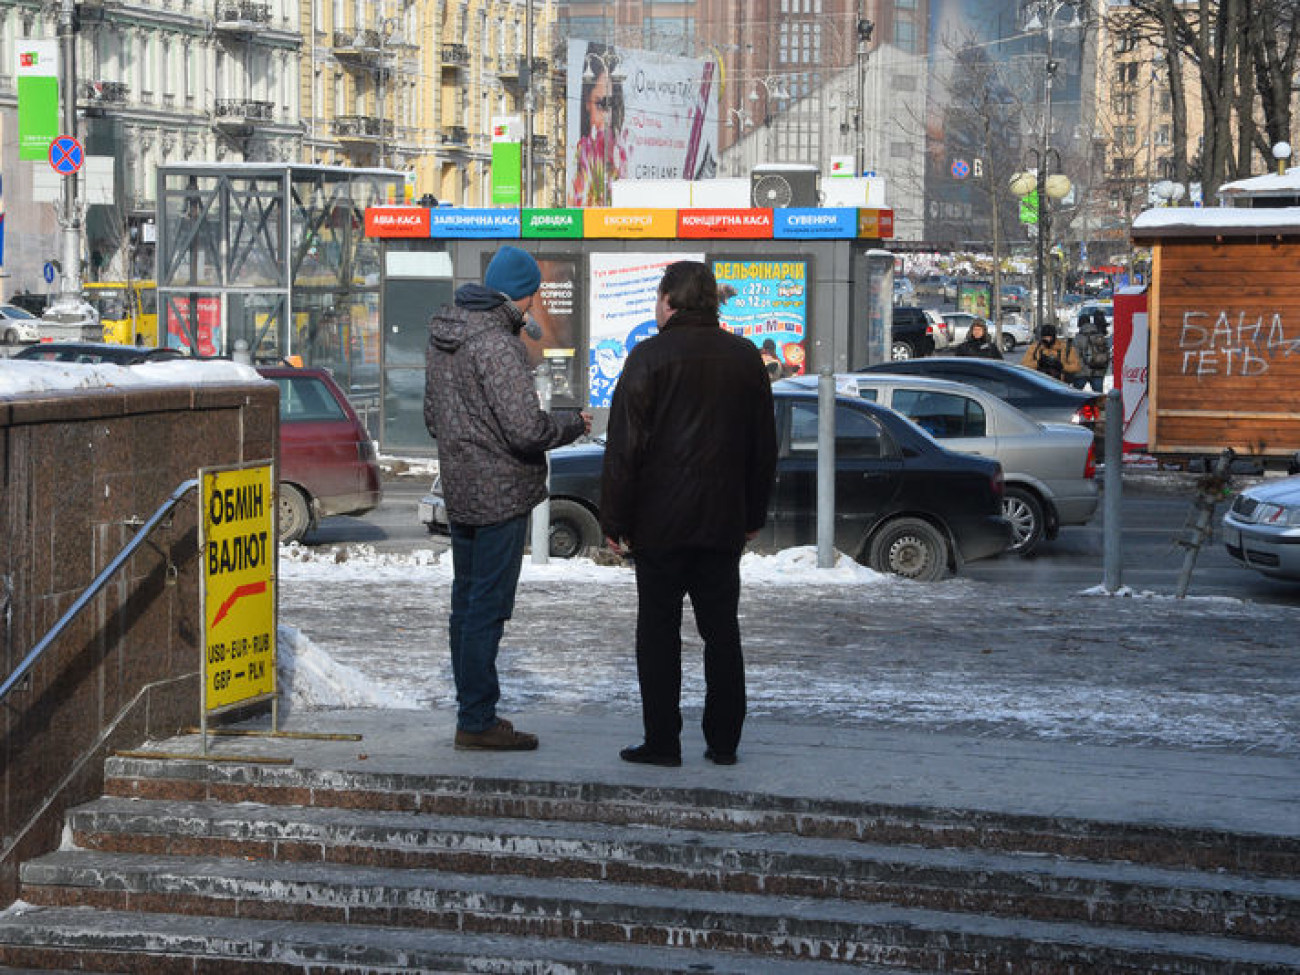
x=1225, y=349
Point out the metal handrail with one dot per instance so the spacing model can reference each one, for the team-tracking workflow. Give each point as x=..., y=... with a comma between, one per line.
x=93, y=589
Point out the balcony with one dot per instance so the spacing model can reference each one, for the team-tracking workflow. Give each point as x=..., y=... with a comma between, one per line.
x=240, y=117
x=454, y=137
x=359, y=130
x=541, y=144
x=359, y=47
x=455, y=56
x=241, y=17
x=99, y=97
x=510, y=68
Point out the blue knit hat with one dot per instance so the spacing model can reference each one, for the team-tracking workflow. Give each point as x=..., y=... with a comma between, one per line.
x=513, y=272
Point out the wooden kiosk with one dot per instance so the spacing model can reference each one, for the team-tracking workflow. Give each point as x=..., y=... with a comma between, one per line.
x=1224, y=320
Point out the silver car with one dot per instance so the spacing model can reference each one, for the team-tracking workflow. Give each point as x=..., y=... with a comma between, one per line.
x=1262, y=528
x=1049, y=467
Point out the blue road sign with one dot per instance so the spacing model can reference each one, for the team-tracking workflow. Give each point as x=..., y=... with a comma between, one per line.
x=49, y=273
x=66, y=155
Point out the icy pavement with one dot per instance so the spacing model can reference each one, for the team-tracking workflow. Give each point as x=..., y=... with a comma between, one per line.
x=841, y=647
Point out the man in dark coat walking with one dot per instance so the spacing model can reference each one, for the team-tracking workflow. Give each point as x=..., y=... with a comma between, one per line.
x=689, y=462
x=482, y=407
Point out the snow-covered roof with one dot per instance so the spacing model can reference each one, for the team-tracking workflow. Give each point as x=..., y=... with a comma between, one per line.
x=22, y=376
x=1270, y=184
x=1217, y=221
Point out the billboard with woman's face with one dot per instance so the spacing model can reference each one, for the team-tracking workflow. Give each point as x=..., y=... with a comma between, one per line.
x=637, y=115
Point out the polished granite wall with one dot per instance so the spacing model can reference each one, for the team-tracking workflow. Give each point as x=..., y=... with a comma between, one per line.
x=79, y=470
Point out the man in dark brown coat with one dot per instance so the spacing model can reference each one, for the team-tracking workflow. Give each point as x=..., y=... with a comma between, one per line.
x=689, y=463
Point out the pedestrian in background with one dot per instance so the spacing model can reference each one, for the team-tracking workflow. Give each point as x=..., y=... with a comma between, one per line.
x=1093, y=347
x=978, y=342
x=1052, y=357
x=689, y=461
x=481, y=406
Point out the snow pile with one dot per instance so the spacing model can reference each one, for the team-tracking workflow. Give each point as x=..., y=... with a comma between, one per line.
x=19, y=376
x=309, y=678
x=364, y=565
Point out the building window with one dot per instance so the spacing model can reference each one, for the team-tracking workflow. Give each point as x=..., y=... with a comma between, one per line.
x=1122, y=167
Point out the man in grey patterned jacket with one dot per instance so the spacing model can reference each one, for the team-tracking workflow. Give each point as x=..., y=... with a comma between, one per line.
x=482, y=408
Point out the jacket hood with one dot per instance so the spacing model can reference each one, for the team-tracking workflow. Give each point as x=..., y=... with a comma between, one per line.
x=452, y=327
x=479, y=297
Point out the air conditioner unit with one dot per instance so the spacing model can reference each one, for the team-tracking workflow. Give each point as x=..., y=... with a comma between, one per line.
x=783, y=186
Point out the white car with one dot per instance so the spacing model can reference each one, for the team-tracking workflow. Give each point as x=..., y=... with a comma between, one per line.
x=17, y=325
x=1049, y=468
x=1262, y=528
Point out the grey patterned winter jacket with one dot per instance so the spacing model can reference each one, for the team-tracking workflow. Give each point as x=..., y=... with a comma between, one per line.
x=481, y=406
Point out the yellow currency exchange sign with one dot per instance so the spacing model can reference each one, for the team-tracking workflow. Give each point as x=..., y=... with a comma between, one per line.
x=239, y=604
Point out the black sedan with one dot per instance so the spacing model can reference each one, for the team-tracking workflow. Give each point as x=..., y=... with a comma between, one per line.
x=903, y=503
x=93, y=353
x=1045, y=399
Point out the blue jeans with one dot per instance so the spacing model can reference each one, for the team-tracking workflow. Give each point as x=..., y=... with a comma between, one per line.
x=486, y=560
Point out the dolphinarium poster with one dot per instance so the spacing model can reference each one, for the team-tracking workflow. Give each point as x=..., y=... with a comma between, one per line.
x=767, y=303
x=623, y=290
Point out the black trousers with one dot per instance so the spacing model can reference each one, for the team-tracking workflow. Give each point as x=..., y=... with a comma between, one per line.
x=712, y=580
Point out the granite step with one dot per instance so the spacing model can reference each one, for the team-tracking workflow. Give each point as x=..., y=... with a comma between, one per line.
x=175, y=944
x=717, y=810
x=624, y=916
x=1031, y=886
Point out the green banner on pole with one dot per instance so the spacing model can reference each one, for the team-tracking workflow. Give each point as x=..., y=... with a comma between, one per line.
x=1029, y=207
x=507, y=173
x=552, y=224
x=38, y=98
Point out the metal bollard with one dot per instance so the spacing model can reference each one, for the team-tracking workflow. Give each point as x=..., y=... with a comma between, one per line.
x=540, y=527
x=1113, y=486
x=825, y=469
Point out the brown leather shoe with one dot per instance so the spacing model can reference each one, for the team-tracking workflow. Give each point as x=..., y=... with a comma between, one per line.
x=501, y=737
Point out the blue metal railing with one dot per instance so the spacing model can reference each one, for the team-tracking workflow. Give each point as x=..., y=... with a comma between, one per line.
x=93, y=589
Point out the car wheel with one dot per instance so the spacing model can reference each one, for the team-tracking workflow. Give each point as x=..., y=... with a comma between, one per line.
x=11, y=336
x=911, y=548
x=295, y=514
x=1025, y=512
x=901, y=351
x=574, y=530
x=1008, y=343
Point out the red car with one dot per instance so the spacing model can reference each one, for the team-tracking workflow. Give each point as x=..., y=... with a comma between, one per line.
x=328, y=463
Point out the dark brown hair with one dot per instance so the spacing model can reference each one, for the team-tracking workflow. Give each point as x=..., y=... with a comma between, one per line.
x=690, y=286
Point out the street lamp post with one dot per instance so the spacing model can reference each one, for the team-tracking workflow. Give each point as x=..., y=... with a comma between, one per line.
x=1047, y=185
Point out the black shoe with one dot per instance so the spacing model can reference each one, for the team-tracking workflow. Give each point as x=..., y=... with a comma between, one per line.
x=720, y=758
x=641, y=755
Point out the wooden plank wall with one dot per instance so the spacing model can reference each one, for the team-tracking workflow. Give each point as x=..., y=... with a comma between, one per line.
x=1225, y=347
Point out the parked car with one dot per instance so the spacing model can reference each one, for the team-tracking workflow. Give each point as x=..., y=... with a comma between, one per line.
x=1015, y=297
x=1015, y=331
x=328, y=463
x=1261, y=529
x=914, y=333
x=18, y=325
x=1049, y=468
x=903, y=503
x=93, y=353
x=1043, y=398
x=31, y=303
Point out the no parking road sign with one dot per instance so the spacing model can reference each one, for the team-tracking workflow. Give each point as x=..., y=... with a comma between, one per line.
x=66, y=155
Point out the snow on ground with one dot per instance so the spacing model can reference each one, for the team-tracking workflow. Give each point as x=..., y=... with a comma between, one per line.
x=842, y=647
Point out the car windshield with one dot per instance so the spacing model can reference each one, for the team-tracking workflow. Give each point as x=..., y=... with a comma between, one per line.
x=13, y=311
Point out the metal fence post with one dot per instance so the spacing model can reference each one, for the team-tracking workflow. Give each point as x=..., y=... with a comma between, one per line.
x=825, y=469
x=1113, y=486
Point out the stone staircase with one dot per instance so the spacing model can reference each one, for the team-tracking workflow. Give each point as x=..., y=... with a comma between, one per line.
x=199, y=867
